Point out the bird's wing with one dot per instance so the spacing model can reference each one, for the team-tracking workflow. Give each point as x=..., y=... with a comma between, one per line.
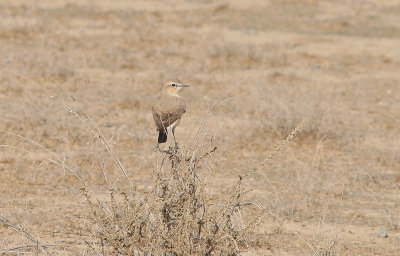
x=166, y=117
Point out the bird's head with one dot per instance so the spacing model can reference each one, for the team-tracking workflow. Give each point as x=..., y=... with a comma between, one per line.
x=173, y=88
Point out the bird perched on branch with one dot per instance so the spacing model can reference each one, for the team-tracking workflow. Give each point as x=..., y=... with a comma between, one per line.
x=168, y=110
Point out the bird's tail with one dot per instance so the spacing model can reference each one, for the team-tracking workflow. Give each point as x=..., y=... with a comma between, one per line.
x=162, y=136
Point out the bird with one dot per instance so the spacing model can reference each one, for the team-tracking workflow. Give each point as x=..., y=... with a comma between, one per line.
x=168, y=110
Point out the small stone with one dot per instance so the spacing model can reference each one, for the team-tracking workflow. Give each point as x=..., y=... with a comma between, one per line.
x=383, y=233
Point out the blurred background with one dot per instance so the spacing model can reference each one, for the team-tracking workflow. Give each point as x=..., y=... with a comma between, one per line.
x=265, y=65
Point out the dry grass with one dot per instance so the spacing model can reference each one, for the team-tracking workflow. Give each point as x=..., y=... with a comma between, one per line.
x=271, y=64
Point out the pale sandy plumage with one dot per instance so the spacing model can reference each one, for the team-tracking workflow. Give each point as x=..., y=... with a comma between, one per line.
x=168, y=110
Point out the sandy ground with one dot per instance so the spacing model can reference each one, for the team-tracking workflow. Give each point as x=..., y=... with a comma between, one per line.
x=266, y=64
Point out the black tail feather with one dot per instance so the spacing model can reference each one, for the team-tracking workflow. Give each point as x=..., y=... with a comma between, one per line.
x=162, y=137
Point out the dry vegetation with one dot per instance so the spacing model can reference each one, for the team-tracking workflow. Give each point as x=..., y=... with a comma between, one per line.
x=77, y=172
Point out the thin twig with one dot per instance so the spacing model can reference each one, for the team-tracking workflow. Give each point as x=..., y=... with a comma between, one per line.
x=275, y=152
x=18, y=228
x=44, y=246
x=84, y=119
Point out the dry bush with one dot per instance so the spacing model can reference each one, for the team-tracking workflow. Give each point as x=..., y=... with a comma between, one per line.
x=177, y=217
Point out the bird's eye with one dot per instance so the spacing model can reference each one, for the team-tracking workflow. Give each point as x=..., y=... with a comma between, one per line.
x=173, y=84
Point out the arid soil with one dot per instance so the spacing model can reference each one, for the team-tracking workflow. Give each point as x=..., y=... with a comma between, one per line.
x=256, y=69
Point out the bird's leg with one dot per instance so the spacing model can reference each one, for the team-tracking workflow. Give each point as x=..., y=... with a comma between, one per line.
x=176, y=143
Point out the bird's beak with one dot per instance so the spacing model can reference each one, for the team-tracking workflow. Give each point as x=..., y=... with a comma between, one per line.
x=183, y=85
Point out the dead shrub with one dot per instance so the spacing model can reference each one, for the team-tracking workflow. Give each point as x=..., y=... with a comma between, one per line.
x=176, y=217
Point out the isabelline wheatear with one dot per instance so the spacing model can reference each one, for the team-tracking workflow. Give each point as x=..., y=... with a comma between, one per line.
x=168, y=110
